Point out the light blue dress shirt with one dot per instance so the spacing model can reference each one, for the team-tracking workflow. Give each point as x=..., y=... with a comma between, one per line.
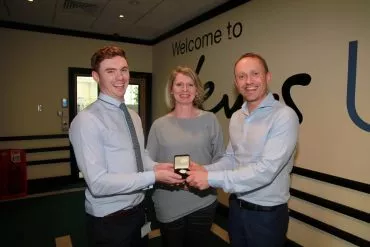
x=104, y=152
x=260, y=154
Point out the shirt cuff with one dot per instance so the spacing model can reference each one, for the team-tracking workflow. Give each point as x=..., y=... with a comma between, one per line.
x=211, y=167
x=149, y=177
x=215, y=179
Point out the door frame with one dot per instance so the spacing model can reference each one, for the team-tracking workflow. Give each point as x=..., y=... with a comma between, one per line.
x=145, y=99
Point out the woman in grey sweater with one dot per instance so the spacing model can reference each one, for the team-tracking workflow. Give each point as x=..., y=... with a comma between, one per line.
x=185, y=214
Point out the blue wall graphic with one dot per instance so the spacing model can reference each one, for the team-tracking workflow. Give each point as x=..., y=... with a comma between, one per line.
x=301, y=79
x=351, y=87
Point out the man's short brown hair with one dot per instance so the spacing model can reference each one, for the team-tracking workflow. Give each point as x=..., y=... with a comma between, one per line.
x=106, y=53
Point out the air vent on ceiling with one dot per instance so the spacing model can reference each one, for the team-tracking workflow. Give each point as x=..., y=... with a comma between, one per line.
x=81, y=7
x=73, y=4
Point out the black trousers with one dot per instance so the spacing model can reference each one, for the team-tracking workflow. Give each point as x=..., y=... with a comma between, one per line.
x=253, y=228
x=117, y=230
x=192, y=230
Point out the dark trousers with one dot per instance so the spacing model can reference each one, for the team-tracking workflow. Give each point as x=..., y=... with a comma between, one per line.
x=250, y=228
x=192, y=230
x=117, y=230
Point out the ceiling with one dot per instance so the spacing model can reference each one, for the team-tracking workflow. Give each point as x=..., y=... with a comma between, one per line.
x=143, y=21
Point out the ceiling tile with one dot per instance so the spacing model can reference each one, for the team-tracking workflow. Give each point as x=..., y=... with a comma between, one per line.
x=37, y=13
x=146, y=20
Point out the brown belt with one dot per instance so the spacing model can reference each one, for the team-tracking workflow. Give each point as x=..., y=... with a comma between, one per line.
x=126, y=212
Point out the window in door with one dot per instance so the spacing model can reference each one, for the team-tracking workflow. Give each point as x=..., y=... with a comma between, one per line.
x=83, y=91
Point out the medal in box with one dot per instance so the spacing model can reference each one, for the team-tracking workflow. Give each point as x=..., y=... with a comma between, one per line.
x=181, y=164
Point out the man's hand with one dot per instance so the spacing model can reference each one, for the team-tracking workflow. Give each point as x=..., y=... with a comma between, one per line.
x=167, y=176
x=163, y=166
x=198, y=179
x=196, y=167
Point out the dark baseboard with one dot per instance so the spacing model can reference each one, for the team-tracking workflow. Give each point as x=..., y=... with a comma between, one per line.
x=53, y=184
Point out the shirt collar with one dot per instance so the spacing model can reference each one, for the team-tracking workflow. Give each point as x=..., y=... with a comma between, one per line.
x=268, y=101
x=110, y=99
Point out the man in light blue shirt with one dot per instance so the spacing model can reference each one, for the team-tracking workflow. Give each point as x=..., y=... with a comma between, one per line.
x=258, y=161
x=105, y=152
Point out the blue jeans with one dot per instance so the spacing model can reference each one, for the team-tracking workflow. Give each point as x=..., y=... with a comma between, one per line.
x=249, y=228
x=192, y=230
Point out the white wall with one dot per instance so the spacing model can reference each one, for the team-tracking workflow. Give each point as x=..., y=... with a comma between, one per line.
x=297, y=37
x=306, y=36
x=34, y=70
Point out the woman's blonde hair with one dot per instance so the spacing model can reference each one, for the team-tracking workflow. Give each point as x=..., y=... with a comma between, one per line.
x=199, y=97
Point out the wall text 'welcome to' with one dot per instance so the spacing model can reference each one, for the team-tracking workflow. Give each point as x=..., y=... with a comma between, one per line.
x=180, y=47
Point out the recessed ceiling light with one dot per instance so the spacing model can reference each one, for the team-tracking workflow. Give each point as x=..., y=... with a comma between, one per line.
x=134, y=2
x=30, y=0
x=121, y=16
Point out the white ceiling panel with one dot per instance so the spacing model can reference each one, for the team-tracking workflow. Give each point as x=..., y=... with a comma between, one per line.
x=144, y=19
x=78, y=15
x=127, y=6
x=29, y=12
x=181, y=12
x=74, y=22
x=124, y=29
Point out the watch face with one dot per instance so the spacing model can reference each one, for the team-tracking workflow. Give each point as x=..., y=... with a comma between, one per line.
x=182, y=161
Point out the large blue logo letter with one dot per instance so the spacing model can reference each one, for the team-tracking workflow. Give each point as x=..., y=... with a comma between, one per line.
x=351, y=87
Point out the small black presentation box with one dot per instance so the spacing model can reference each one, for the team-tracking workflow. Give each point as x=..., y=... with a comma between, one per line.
x=182, y=163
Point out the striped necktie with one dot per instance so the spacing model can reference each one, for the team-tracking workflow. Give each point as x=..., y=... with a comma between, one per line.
x=135, y=141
